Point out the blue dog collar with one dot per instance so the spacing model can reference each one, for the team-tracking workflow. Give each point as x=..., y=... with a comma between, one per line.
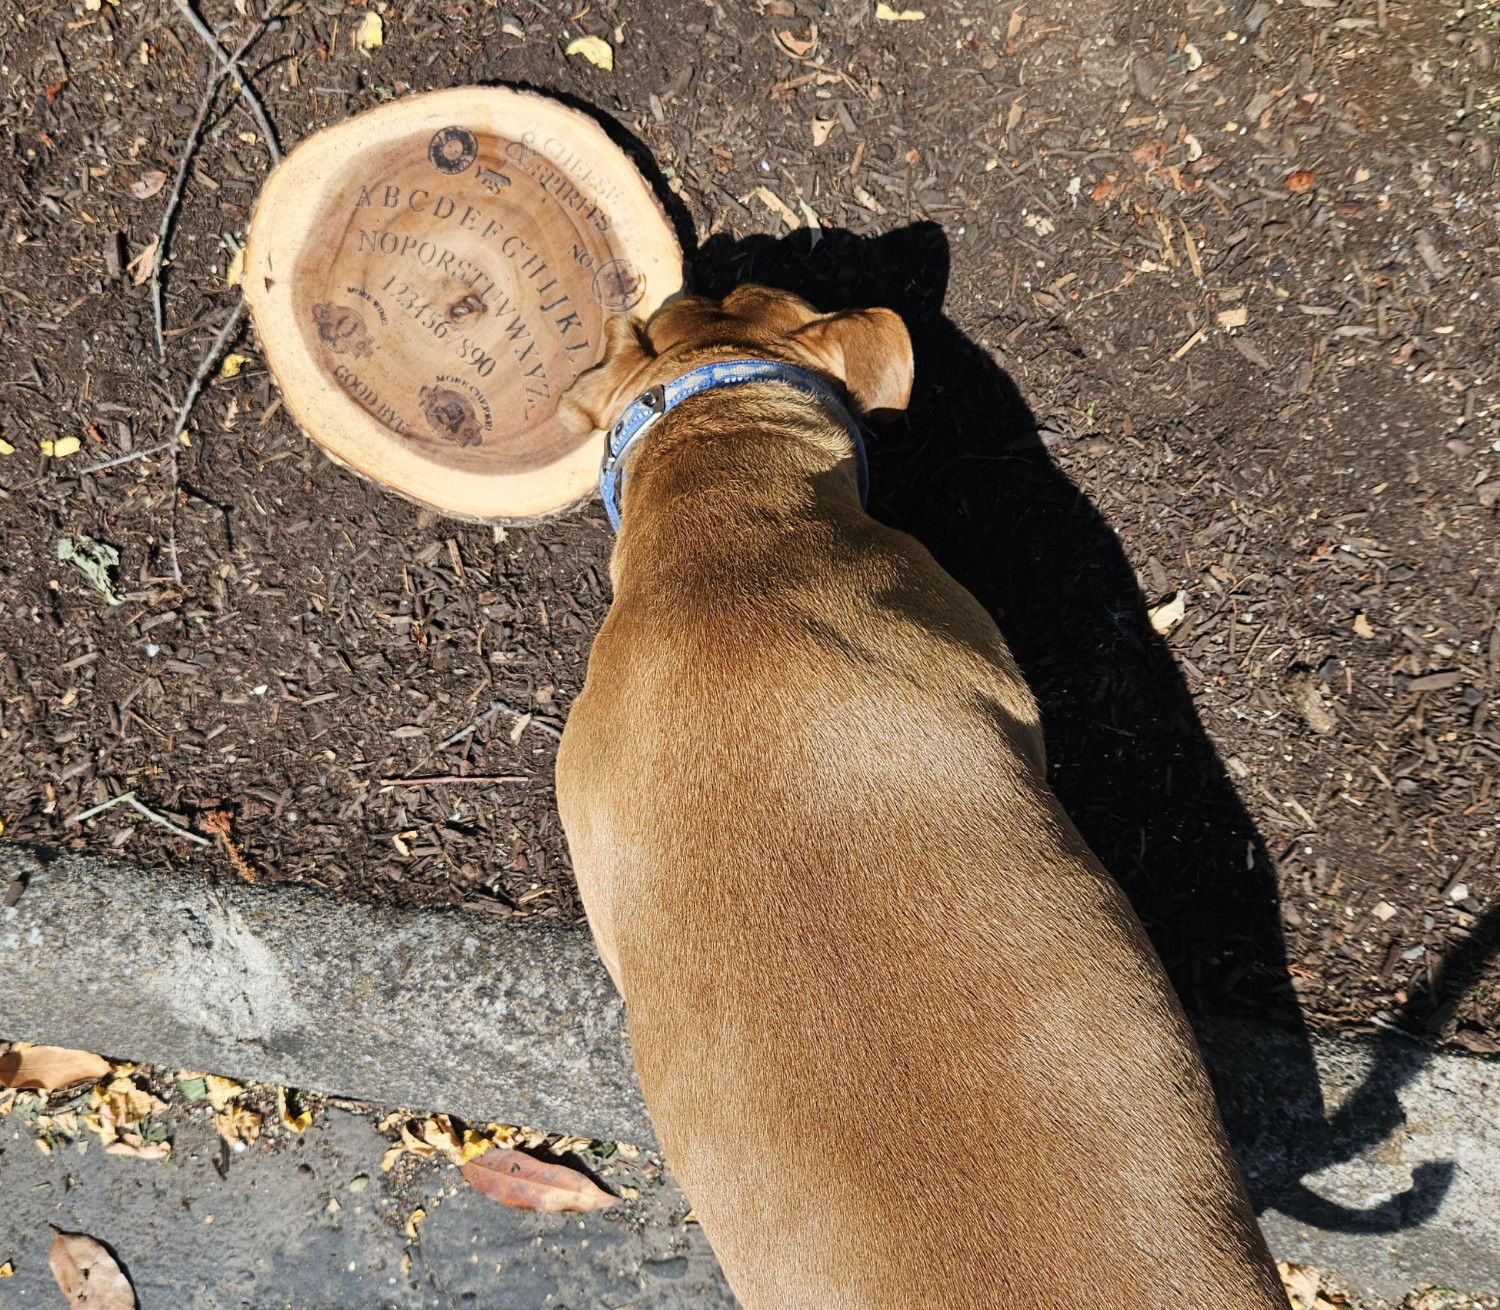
x=646, y=409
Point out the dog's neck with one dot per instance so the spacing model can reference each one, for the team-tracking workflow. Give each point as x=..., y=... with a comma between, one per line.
x=740, y=475
x=648, y=409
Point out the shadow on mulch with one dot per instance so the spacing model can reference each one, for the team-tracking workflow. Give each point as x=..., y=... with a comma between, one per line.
x=968, y=474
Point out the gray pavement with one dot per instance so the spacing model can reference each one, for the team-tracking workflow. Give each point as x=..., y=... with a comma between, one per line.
x=1377, y=1158
x=266, y=1237
x=289, y=985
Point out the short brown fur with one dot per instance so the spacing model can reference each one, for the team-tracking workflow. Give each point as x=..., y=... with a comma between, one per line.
x=903, y=1040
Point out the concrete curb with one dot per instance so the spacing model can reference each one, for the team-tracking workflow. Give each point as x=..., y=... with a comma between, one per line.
x=1376, y=1158
x=426, y=1008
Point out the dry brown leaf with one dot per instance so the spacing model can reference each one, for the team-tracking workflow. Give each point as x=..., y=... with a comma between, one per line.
x=1309, y=702
x=518, y=1180
x=1301, y=1283
x=795, y=46
x=777, y=206
x=1167, y=616
x=139, y=268
x=148, y=184
x=139, y=1149
x=1300, y=183
x=88, y=1274
x=49, y=1067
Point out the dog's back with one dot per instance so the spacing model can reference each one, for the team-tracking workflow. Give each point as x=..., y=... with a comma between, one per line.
x=903, y=1040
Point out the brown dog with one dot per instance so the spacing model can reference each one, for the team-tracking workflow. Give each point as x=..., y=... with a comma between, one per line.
x=902, y=1038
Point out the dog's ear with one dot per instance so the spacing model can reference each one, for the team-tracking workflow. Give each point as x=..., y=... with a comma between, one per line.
x=597, y=396
x=868, y=350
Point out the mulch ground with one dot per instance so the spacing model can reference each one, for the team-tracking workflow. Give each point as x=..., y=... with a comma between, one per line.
x=1205, y=302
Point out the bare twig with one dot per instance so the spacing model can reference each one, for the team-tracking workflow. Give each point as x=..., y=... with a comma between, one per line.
x=129, y=799
x=205, y=367
x=219, y=822
x=230, y=67
x=128, y=459
x=424, y=782
x=499, y=707
x=174, y=198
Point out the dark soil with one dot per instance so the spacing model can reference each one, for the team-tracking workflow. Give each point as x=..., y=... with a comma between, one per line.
x=1072, y=205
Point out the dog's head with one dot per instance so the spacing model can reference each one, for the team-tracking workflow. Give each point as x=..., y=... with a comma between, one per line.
x=867, y=351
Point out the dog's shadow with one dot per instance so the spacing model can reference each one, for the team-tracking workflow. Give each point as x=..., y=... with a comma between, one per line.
x=968, y=474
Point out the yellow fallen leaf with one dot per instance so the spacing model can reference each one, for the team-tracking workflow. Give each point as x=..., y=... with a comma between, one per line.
x=127, y=1102
x=1166, y=617
x=6, y=448
x=416, y=1145
x=595, y=49
x=43, y=1145
x=405, y=1263
x=1362, y=627
x=222, y=1090
x=370, y=32
x=439, y=1133
x=65, y=446
x=49, y=1067
x=388, y=1160
x=235, y=273
x=232, y=365
x=414, y=1222
x=236, y=1125
x=888, y=15
x=474, y=1146
x=7, y=1270
x=296, y=1122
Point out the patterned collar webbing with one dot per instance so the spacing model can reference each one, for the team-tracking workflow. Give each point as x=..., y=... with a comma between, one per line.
x=646, y=409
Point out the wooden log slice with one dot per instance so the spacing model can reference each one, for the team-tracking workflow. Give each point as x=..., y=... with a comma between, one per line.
x=429, y=277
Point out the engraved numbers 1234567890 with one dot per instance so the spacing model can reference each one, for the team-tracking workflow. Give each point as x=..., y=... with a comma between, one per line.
x=423, y=312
